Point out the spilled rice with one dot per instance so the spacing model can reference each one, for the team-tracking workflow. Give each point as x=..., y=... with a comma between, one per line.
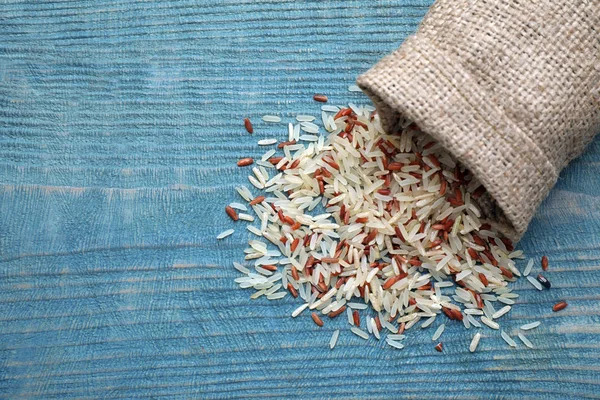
x=358, y=219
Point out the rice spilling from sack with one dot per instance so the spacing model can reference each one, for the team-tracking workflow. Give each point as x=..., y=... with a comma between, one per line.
x=361, y=217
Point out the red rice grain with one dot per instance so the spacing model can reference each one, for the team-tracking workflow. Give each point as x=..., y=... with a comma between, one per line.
x=244, y=162
x=545, y=263
x=231, y=212
x=561, y=305
x=295, y=274
x=320, y=98
x=356, y=317
x=293, y=291
x=248, y=125
x=317, y=319
x=257, y=200
x=334, y=314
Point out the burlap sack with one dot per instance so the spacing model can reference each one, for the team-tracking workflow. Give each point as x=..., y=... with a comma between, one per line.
x=510, y=87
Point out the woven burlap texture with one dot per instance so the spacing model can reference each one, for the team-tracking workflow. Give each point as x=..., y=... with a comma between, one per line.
x=510, y=88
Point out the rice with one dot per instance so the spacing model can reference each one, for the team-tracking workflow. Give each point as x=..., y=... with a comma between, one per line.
x=374, y=329
x=428, y=322
x=329, y=108
x=396, y=337
x=309, y=138
x=254, y=230
x=475, y=342
x=276, y=296
x=525, y=341
x=357, y=306
x=298, y=310
x=244, y=192
x=334, y=338
x=394, y=344
x=501, y=312
x=238, y=206
x=246, y=217
x=271, y=118
x=225, y=233
x=309, y=127
x=267, y=142
x=400, y=226
x=359, y=332
x=473, y=321
x=387, y=325
x=508, y=339
x=535, y=283
x=528, y=267
x=490, y=323
x=531, y=325
x=354, y=88
x=305, y=118
x=245, y=270
x=463, y=274
x=349, y=315
x=505, y=300
x=438, y=332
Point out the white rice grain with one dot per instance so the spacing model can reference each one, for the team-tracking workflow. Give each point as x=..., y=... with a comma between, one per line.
x=225, y=233
x=490, y=323
x=394, y=344
x=525, y=341
x=501, y=312
x=276, y=296
x=357, y=306
x=334, y=338
x=238, y=206
x=246, y=217
x=531, y=325
x=254, y=230
x=267, y=142
x=528, y=267
x=428, y=322
x=508, y=339
x=438, y=332
x=271, y=118
x=535, y=283
x=298, y=310
x=359, y=332
x=245, y=270
x=475, y=342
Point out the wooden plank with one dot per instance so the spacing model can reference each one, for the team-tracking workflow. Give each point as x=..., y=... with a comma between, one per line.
x=121, y=126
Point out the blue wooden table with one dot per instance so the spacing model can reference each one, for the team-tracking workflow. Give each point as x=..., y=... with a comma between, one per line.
x=121, y=123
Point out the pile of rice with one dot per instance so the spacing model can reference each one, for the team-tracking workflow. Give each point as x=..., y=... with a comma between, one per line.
x=360, y=219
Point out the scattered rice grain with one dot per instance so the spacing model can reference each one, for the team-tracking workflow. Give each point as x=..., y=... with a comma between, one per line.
x=271, y=118
x=508, y=339
x=531, y=325
x=438, y=332
x=475, y=342
x=359, y=332
x=225, y=233
x=535, y=283
x=525, y=341
x=267, y=142
x=334, y=338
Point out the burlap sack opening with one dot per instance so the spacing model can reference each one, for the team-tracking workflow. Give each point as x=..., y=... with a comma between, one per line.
x=508, y=87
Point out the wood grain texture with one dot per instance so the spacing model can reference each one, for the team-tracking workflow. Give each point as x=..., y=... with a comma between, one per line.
x=121, y=125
